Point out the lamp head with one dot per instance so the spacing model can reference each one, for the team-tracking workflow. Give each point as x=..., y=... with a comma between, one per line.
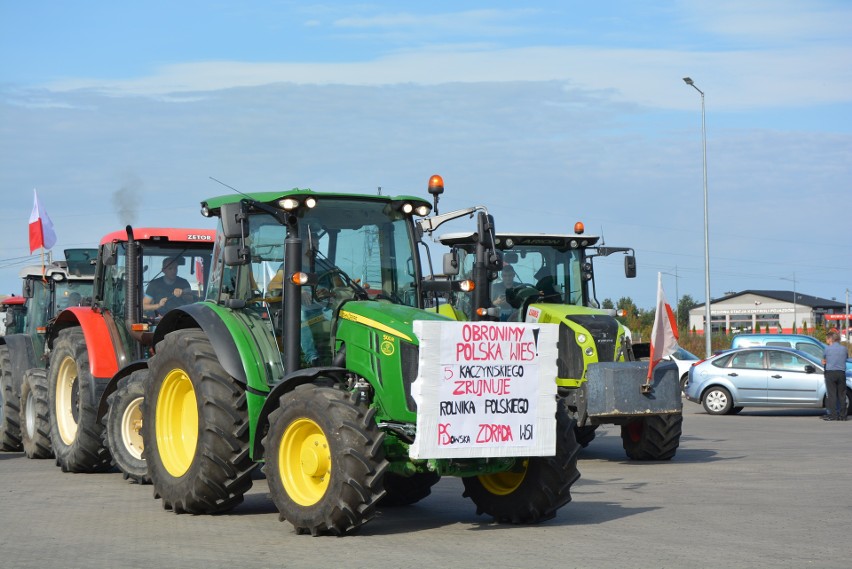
x=688, y=81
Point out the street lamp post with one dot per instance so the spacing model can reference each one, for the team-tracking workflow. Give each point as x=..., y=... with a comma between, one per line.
x=708, y=327
x=795, y=307
x=677, y=295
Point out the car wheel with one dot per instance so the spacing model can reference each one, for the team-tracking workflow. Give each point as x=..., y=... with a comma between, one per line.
x=683, y=381
x=717, y=401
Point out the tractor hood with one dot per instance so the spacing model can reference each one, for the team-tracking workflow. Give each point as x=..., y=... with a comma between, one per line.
x=388, y=318
x=586, y=336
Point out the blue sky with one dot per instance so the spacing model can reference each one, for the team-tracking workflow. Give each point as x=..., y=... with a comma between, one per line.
x=545, y=112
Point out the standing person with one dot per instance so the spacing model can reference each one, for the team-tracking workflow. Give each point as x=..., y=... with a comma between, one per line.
x=835, y=378
x=167, y=291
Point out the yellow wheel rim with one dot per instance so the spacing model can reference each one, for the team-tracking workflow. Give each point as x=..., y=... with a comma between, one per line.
x=66, y=381
x=304, y=462
x=504, y=483
x=131, y=428
x=177, y=423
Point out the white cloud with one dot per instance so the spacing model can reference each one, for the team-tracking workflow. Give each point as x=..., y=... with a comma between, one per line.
x=734, y=80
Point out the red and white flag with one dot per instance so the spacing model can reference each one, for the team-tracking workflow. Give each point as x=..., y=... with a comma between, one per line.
x=41, y=228
x=664, y=332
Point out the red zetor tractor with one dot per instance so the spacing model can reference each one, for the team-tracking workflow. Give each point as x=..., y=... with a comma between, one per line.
x=98, y=353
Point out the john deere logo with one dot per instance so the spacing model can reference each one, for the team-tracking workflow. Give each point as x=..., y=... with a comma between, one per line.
x=387, y=348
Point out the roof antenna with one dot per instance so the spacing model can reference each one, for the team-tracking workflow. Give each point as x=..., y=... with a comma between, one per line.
x=603, y=240
x=227, y=186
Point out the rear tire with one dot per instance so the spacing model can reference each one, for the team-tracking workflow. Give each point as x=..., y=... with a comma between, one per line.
x=123, y=428
x=195, y=428
x=324, y=460
x=10, y=405
x=655, y=437
x=35, y=414
x=75, y=433
x=541, y=485
x=717, y=401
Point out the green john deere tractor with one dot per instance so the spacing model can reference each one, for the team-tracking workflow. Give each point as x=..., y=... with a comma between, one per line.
x=313, y=375
x=551, y=280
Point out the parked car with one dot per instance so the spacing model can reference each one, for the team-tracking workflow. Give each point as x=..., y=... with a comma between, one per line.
x=801, y=342
x=760, y=376
x=683, y=358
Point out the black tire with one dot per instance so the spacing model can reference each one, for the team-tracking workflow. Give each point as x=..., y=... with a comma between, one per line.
x=406, y=490
x=75, y=433
x=35, y=414
x=123, y=428
x=10, y=405
x=684, y=379
x=198, y=462
x=585, y=435
x=542, y=486
x=655, y=437
x=717, y=401
x=324, y=460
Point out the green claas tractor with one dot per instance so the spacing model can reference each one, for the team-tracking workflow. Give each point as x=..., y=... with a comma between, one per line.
x=303, y=357
x=48, y=290
x=99, y=351
x=549, y=278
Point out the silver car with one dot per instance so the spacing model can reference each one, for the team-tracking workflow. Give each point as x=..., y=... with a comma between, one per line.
x=760, y=376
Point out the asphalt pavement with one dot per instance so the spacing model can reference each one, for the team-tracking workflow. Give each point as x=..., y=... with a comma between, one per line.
x=758, y=489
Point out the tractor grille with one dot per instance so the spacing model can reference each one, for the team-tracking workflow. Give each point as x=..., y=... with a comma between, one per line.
x=409, y=355
x=604, y=331
x=570, y=362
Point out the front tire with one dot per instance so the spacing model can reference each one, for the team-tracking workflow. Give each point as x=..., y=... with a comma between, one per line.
x=10, y=405
x=35, y=414
x=123, y=428
x=75, y=433
x=540, y=486
x=717, y=401
x=324, y=460
x=195, y=428
x=655, y=437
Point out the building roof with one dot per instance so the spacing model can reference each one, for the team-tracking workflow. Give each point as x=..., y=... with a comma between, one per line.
x=785, y=296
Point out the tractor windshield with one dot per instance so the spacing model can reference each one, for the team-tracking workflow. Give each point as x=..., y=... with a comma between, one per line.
x=555, y=271
x=356, y=248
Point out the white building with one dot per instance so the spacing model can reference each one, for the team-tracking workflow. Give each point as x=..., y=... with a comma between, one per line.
x=776, y=309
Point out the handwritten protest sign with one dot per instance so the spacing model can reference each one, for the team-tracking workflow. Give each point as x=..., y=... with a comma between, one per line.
x=485, y=389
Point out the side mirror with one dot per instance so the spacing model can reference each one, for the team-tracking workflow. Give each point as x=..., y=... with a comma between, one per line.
x=629, y=266
x=29, y=289
x=451, y=263
x=235, y=255
x=234, y=221
x=809, y=368
x=109, y=254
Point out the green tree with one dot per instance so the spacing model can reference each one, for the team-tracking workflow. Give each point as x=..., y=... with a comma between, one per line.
x=684, y=305
x=607, y=304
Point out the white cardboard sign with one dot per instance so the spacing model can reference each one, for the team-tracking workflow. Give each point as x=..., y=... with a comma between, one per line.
x=485, y=389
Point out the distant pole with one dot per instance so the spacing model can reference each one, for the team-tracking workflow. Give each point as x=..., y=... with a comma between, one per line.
x=848, y=340
x=708, y=327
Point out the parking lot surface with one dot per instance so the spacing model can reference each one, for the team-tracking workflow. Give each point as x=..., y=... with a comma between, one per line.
x=760, y=489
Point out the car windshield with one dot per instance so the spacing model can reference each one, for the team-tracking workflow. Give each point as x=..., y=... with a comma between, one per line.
x=681, y=354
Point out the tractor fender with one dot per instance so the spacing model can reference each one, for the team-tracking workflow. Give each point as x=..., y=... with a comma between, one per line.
x=289, y=383
x=21, y=353
x=201, y=315
x=112, y=385
x=103, y=362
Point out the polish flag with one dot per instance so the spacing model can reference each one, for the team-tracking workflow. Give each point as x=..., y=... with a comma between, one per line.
x=664, y=332
x=41, y=228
